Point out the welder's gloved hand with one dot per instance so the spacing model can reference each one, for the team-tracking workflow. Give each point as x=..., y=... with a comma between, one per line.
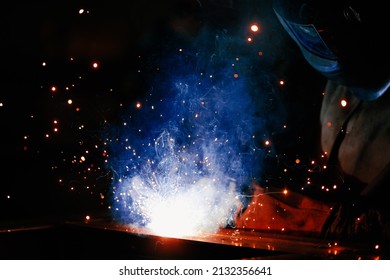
x=365, y=217
x=283, y=211
x=356, y=222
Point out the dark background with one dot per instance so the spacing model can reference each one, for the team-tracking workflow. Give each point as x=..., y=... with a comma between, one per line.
x=43, y=175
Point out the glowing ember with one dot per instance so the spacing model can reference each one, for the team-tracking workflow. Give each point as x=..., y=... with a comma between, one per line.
x=254, y=27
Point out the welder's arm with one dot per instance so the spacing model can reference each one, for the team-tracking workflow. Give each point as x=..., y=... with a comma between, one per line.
x=284, y=212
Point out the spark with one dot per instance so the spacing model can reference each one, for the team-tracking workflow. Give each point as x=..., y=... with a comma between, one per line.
x=254, y=28
x=82, y=11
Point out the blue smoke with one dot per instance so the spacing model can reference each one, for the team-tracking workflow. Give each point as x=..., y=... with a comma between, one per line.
x=198, y=131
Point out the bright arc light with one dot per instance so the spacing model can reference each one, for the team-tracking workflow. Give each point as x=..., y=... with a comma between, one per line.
x=203, y=207
x=175, y=217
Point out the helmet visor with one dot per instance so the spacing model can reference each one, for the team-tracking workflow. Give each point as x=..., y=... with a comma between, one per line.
x=315, y=50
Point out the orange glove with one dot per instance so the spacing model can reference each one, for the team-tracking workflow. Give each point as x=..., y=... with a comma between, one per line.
x=283, y=211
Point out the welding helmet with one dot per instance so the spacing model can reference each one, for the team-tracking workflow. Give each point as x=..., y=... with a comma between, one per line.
x=346, y=41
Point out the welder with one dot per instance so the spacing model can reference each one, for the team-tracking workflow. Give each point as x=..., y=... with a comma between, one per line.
x=346, y=41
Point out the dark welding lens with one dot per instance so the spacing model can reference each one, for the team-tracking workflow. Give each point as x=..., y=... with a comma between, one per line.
x=307, y=36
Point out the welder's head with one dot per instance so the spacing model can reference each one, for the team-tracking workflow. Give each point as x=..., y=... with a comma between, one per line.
x=344, y=40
